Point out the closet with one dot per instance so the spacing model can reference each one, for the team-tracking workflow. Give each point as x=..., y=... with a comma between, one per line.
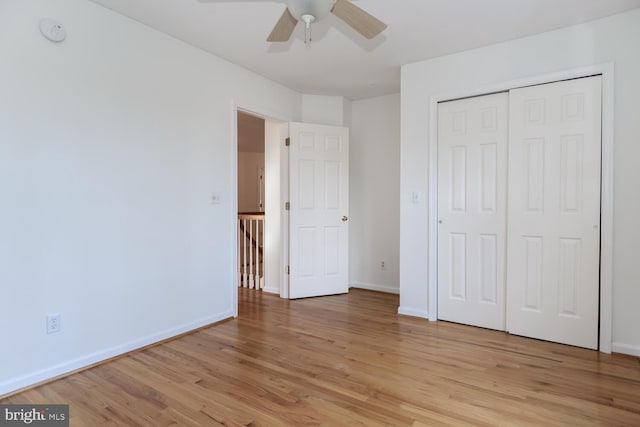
x=519, y=211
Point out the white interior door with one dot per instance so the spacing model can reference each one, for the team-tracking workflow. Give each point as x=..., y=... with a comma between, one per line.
x=554, y=212
x=319, y=209
x=472, y=156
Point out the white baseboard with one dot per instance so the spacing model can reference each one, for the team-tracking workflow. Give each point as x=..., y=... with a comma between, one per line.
x=408, y=311
x=271, y=290
x=36, y=377
x=377, y=288
x=633, y=350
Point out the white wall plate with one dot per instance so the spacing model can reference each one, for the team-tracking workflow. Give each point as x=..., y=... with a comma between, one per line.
x=52, y=30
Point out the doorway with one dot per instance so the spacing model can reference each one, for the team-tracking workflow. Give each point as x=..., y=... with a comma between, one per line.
x=314, y=203
x=251, y=204
x=259, y=189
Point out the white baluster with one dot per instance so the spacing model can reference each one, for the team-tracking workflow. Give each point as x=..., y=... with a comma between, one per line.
x=251, y=283
x=257, y=244
x=261, y=276
x=244, y=255
x=250, y=259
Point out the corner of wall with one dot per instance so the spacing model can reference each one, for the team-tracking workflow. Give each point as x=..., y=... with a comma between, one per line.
x=372, y=287
x=407, y=311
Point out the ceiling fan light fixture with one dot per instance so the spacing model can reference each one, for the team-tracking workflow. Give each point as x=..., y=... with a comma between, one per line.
x=308, y=19
x=316, y=8
x=310, y=11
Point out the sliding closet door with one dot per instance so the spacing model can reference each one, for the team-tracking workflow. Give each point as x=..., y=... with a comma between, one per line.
x=554, y=212
x=472, y=156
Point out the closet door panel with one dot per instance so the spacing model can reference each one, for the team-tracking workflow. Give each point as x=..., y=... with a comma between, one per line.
x=554, y=211
x=472, y=156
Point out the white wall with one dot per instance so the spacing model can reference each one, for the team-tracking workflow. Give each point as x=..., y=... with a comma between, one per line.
x=273, y=253
x=324, y=110
x=374, y=180
x=111, y=145
x=613, y=39
x=248, y=181
x=374, y=171
x=347, y=112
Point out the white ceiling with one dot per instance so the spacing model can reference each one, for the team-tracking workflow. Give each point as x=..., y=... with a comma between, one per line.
x=341, y=62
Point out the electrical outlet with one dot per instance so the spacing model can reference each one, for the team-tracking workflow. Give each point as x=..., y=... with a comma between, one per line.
x=382, y=265
x=53, y=323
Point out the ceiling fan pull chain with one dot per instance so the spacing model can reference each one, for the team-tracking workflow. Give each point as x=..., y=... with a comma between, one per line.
x=308, y=19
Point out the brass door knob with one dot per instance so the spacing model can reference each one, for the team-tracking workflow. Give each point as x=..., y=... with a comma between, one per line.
x=345, y=218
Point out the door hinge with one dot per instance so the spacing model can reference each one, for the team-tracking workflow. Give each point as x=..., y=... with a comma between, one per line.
x=287, y=141
x=287, y=206
x=286, y=269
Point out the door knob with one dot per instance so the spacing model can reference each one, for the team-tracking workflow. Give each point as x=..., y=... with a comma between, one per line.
x=345, y=218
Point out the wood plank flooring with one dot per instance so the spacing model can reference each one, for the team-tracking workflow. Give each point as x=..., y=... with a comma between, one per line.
x=349, y=360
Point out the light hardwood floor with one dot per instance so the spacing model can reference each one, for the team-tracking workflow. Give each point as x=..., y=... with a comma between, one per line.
x=349, y=360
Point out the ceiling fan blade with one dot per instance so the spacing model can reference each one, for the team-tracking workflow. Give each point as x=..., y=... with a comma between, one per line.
x=361, y=21
x=284, y=28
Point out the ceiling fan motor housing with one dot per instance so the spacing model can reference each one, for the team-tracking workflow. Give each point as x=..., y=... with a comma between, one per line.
x=316, y=8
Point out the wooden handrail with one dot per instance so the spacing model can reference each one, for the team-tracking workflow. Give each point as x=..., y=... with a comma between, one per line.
x=251, y=215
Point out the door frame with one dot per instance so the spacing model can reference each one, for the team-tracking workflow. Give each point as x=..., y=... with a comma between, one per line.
x=606, y=198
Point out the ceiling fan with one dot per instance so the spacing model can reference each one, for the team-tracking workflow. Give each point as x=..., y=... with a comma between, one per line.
x=310, y=11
